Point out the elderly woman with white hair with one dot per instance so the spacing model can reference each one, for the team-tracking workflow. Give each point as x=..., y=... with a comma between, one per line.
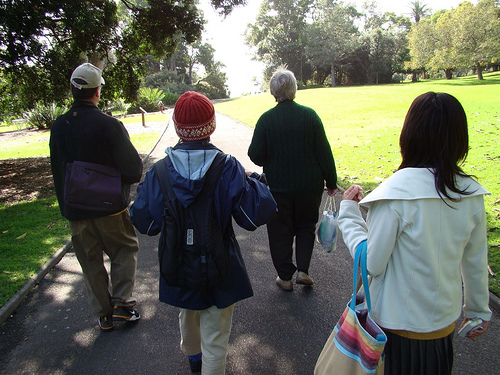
x=290, y=143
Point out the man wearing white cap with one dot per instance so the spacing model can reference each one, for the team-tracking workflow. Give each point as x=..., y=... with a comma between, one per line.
x=88, y=135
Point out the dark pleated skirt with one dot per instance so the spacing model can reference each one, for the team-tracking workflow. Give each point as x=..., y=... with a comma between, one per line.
x=405, y=356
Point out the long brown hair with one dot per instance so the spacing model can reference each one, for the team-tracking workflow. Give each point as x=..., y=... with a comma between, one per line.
x=435, y=136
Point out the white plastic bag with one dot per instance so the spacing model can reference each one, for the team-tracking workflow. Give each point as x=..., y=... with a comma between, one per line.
x=326, y=234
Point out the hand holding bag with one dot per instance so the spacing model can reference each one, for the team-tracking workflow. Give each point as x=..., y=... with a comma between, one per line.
x=327, y=231
x=357, y=343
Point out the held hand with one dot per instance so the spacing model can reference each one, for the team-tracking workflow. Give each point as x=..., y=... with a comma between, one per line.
x=332, y=192
x=473, y=335
x=354, y=193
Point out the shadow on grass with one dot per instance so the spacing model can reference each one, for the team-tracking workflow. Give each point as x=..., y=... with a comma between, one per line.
x=488, y=79
x=30, y=233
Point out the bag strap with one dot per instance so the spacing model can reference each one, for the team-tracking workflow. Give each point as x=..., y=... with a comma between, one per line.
x=360, y=260
x=330, y=204
x=161, y=173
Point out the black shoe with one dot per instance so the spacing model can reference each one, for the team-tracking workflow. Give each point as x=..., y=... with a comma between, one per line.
x=106, y=323
x=121, y=313
x=195, y=365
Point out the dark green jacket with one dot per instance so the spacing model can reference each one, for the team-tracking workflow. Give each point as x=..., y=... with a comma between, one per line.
x=290, y=143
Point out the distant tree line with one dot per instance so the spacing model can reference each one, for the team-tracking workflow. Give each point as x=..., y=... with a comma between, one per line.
x=331, y=42
x=156, y=45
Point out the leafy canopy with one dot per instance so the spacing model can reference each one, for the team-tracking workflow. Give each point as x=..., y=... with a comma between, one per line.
x=42, y=41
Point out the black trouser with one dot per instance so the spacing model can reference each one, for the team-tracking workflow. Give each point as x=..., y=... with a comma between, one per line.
x=297, y=218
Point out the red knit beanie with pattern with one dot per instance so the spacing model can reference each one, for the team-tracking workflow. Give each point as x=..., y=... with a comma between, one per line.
x=194, y=116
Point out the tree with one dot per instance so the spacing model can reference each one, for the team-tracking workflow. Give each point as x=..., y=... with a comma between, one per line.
x=418, y=10
x=422, y=41
x=464, y=38
x=332, y=37
x=445, y=54
x=385, y=44
x=190, y=67
x=477, y=34
x=278, y=35
x=41, y=41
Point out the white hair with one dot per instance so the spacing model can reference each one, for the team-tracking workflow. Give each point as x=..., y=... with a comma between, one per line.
x=283, y=85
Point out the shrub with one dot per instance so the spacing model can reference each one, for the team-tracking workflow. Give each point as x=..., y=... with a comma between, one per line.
x=117, y=105
x=42, y=116
x=170, y=98
x=147, y=99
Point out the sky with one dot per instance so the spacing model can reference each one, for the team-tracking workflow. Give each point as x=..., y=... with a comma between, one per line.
x=226, y=36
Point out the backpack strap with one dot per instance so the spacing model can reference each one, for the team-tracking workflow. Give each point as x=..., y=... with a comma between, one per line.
x=161, y=173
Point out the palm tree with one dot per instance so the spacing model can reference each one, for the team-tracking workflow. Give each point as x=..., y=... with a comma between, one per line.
x=418, y=10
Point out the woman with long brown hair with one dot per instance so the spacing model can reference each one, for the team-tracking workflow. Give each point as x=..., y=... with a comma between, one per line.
x=426, y=232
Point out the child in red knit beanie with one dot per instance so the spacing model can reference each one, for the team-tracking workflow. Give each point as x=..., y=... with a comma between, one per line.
x=191, y=171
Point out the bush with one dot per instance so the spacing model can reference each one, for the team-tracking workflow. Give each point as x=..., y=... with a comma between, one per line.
x=147, y=99
x=170, y=98
x=117, y=105
x=43, y=115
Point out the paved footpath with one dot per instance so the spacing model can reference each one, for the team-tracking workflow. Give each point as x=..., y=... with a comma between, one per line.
x=53, y=331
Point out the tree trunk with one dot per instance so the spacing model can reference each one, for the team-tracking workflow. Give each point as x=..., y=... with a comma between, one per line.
x=479, y=72
x=96, y=60
x=333, y=75
x=448, y=73
x=414, y=76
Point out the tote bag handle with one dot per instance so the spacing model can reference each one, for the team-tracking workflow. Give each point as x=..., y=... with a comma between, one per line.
x=360, y=260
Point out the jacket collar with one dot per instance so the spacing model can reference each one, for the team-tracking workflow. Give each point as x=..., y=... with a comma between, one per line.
x=418, y=183
x=83, y=103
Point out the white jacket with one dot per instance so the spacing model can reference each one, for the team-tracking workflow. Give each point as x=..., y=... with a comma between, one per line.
x=420, y=249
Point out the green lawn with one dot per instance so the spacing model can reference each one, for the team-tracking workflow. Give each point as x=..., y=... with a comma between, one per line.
x=31, y=232
x=363, y=124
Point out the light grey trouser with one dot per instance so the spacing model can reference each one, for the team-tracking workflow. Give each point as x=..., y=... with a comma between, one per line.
x=207, y=331
x=114, y=236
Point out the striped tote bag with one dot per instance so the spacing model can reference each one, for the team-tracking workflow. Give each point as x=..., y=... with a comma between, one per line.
x=356, y=344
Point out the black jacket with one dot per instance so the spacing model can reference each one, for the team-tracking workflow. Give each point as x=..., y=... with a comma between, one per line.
x=85, y=133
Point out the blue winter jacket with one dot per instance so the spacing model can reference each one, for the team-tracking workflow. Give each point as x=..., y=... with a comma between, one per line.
x=237, y=196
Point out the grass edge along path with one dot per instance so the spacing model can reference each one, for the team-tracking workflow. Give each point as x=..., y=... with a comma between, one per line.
x=32, y=231
x=363, y=124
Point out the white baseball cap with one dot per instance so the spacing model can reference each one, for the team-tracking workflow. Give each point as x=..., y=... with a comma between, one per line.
x=89, y=76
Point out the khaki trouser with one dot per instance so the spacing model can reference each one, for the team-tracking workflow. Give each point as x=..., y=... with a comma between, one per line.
x=114, y=236
x=207, y=331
